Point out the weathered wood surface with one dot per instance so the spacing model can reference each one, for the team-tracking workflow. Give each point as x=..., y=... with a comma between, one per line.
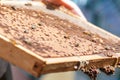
x=37, y=65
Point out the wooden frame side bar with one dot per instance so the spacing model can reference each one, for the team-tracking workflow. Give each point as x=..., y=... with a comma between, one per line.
x=21, y=57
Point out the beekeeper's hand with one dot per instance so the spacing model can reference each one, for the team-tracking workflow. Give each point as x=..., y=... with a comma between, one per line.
x=69, y=5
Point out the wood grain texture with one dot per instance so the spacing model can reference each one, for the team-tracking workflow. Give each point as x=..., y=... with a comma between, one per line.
x=20, y=56
x=36, y=65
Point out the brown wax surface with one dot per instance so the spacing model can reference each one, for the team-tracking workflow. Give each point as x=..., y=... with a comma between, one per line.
x=49, y=36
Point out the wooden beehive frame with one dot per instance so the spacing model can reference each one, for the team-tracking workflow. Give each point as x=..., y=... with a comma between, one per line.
x=37, y=65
